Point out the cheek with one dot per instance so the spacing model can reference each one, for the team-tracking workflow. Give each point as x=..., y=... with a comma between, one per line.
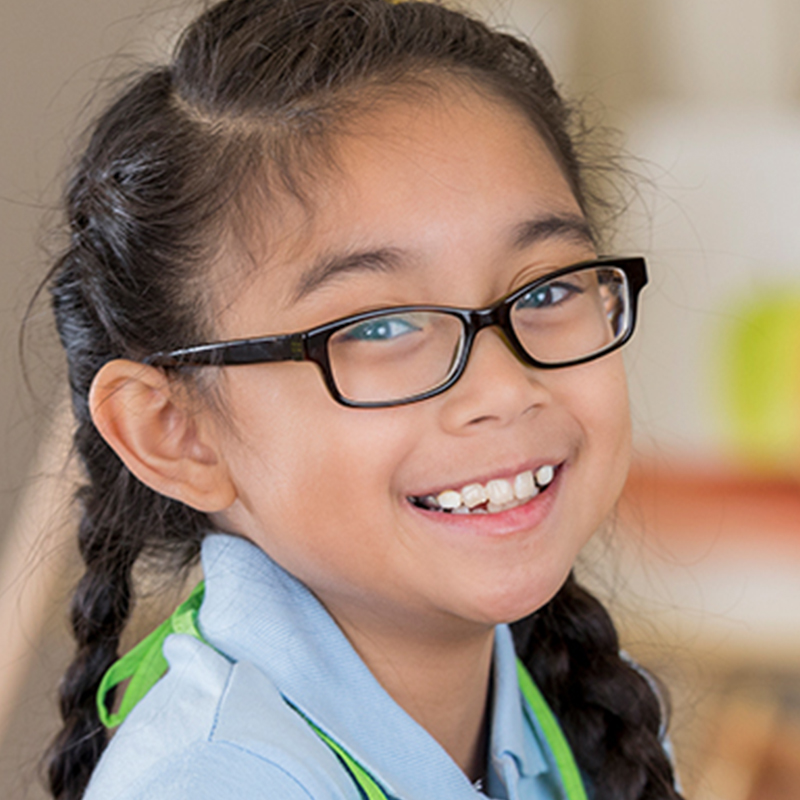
x=297, y=453
x=599, y=402
x=315, y=479
x=611, y=426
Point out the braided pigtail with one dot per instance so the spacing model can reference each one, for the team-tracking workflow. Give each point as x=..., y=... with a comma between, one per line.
x=119, y=516
x=100, y=608
x=138, y=210
x=610, y=713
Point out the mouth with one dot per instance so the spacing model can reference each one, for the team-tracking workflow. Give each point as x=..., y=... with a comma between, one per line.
x=493, y=497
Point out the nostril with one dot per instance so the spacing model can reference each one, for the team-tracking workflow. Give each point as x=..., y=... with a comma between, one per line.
x=479, y=420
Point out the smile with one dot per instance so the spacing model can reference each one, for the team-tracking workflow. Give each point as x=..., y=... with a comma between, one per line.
x=491, y=498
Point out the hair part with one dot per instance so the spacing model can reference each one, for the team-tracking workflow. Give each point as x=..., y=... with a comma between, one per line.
x=245, y=114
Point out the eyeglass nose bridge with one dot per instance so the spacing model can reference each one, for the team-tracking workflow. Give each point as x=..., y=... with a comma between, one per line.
x=496, y=316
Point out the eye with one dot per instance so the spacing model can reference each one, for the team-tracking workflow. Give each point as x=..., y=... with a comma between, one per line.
x=381, y=329
x=551, y=294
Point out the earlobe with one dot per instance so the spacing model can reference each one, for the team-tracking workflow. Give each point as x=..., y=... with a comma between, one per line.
x=174, y=449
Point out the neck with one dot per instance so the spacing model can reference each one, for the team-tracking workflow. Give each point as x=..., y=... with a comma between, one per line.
x=443, y=683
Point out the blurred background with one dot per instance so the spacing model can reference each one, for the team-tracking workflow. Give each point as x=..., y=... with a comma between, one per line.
x=702, y=563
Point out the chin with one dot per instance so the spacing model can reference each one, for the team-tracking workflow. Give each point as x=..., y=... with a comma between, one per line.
x=512, y=603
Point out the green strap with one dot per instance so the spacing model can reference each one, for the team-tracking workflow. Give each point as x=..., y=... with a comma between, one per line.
x=145, y=665
x=562, y=753
x=363, y=779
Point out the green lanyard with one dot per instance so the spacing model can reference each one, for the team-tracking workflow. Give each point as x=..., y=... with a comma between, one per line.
x=145, y=664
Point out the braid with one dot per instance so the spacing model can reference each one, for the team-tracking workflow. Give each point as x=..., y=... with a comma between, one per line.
x=97, y=288
x=99, y=610
x=609, y=711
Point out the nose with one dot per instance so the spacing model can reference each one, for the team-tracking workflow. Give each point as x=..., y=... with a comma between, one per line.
x=495, y=389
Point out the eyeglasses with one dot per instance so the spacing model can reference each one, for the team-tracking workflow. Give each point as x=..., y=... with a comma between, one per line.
x=394, y=356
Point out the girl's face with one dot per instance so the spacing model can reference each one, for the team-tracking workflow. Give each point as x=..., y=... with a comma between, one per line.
x=429, y=204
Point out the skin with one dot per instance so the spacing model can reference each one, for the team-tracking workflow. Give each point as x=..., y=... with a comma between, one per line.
x=324, y=489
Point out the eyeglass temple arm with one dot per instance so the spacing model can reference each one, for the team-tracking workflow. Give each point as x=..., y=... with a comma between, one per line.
x=249, y=351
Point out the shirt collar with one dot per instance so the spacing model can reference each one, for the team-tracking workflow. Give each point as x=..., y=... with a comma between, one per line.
x=255, y=611
x=512, y=741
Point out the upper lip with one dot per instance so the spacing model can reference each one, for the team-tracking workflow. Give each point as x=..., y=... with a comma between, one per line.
x=507, y=474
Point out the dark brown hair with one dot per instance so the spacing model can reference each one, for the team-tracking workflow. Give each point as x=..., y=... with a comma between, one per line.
x=253, y=85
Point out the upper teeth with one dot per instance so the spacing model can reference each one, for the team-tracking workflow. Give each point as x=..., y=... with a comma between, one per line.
x=498, y=492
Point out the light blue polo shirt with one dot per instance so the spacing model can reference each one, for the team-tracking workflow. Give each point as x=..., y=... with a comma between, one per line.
x=219, y=725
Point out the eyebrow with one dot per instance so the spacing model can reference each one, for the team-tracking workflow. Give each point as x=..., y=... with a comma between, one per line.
x=385, y=259
x=563, y=226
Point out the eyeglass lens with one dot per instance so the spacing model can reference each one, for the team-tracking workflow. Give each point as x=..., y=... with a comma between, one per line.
x=573, y=316
x=401, y=355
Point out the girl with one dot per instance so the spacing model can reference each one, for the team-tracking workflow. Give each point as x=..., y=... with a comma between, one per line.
x=336, y=323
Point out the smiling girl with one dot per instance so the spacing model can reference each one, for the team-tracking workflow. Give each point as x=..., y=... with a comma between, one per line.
x=336, y=322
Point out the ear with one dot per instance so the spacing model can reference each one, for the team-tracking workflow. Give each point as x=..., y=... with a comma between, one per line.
x=146, y=420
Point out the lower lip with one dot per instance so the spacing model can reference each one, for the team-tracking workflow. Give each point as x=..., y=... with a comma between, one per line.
x=503, y=523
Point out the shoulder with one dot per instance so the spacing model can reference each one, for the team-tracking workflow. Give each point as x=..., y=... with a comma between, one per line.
x=209, y=771
x=215, y=729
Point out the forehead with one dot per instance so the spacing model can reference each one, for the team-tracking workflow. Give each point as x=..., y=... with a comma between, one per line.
x=457, y=143
x=430, y=177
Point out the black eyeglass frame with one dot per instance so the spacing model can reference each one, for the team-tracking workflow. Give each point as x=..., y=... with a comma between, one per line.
x=312, y=344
